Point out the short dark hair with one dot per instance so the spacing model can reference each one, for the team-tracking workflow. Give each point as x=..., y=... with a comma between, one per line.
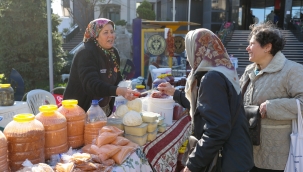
x=268, y=33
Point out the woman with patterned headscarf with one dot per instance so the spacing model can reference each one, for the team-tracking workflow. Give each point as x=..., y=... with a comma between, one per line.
x=213, y=94
x=95, y=71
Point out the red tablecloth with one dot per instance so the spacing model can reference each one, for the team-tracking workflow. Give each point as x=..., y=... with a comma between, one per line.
x=162, y=153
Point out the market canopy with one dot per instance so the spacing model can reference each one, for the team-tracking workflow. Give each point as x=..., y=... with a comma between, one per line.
x=173, y=25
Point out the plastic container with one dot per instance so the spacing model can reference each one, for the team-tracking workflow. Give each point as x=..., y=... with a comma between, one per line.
x=6, y=95
x=140, y=140
x=164, y=107
x=117, y=122
x=171, y=79
x=26, y=139
x=120, y=100
x=3, y=153
x=156, y=72
x=75, y=117
x=95, y=120
x=55, y=127
x=160, y=79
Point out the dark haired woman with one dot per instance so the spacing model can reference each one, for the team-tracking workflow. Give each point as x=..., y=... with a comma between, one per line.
x=274, y=83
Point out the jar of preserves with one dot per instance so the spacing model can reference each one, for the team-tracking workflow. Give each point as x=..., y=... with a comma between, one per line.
x=160, y=79
x=26, y=138
x=55, y=127
x=75, y=117
x=3, y=153
x=6, y=95
x=171, y=79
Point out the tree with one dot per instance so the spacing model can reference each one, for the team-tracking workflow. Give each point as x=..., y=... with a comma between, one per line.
x=145, y=11
x=24, y=40
x=83, y=11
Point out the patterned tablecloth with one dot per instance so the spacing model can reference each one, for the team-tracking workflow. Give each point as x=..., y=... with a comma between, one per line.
x=160, y=154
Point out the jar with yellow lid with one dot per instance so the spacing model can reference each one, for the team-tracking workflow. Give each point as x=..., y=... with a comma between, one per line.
x=75, y=117
x=140, y=88
x=26, y=138
x=160, y=79
x=6, y=95
x=55, y=126
x=3, y=153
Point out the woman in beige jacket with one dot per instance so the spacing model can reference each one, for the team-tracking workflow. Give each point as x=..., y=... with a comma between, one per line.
x=275, y=84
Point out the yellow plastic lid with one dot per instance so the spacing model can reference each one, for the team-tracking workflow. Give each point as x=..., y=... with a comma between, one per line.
x=24, y=117
x=70, y=102
x=140, y=86
x=5, y=85
x=160, y=76
x=182, y=149
x=48, y=108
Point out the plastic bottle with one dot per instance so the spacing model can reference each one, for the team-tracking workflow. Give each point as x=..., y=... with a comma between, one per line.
x=55, y=126
x=6, y=95
x=160, y=79
x=95, y=120
x=75, y=117
x=3, y=153
x=26, y=138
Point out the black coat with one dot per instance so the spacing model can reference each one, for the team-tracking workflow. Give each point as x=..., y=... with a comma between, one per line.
x=88, y=78
x=217, y=105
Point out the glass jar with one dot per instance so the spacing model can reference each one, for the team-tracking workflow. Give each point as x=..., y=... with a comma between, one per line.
x=75, y=117
x=171, y=79
x=140, y=88
x=55, y=126
x=3, y=153
x=160, y=79
x=6, y=95
x=26, y=138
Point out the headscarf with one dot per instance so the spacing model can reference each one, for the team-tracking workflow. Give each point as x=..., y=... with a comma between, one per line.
x=205, y=52
x=94, y=27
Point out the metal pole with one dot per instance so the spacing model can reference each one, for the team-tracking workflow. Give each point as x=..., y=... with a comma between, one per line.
x=50, y=45
x=174, y=7
x=188, y=18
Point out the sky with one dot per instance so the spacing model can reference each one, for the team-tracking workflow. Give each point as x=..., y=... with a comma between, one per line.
x=56, y=6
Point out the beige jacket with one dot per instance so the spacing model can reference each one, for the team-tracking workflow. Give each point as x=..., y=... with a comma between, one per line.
x=279, y=84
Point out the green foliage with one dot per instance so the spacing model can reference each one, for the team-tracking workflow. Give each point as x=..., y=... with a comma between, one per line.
x=24, y=41
x=121, y=23
x=145, y=11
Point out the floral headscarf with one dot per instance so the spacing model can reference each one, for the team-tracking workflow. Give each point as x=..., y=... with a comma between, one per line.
x=205, y=52
x=94, y=27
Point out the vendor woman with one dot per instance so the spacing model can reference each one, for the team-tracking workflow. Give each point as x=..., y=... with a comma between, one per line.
x=95, y=71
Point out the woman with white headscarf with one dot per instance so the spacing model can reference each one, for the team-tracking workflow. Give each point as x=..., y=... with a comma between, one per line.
x=213, y=92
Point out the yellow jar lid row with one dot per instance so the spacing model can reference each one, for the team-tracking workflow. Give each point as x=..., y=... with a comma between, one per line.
x=24, y=117
x=5, y=85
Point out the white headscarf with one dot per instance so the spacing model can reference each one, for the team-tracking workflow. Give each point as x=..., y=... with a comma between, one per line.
x=205, y=52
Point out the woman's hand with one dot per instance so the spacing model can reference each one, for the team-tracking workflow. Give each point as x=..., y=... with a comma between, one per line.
x=185, y=170
x=127, y=93
x=166, y=88
x=263, y=110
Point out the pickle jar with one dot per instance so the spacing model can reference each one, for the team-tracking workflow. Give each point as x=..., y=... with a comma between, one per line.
x=6, y=95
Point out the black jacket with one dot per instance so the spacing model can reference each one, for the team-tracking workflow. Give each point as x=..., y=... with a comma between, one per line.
x=217, y=105
x=88, y=77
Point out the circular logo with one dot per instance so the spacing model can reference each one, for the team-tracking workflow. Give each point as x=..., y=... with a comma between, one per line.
x=179, y=44
x=156, y=45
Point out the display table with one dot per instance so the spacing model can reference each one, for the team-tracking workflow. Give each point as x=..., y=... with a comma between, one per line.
x=7, y=112
x=162, y=153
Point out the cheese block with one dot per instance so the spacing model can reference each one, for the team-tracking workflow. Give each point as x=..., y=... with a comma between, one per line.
x=152, y=135
x=117, y=122
x=149, y=116
x=136, y=130
x=140, y=140
x=162, y=128
x=160, y=120
x=152, y=126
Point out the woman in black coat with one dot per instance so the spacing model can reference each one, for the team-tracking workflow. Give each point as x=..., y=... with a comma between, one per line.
x=216, y=107
x=95, y=71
